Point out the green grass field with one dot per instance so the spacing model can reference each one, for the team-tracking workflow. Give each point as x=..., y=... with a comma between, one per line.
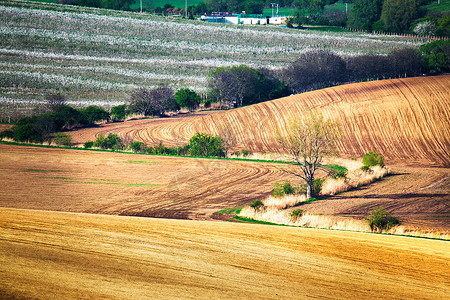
x=444, y=6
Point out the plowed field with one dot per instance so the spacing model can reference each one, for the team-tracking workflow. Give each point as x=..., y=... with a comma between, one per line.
x=49, y=255
x=127, y=184
x=190, y=188
x=407, y=120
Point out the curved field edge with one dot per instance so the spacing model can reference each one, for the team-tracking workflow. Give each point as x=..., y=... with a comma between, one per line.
x=138, y=258
x=407, y=120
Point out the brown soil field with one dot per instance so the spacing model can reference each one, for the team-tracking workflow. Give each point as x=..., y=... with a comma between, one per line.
x=129, y=184
x=53, y=255
x=407, y=120
x=191, y=188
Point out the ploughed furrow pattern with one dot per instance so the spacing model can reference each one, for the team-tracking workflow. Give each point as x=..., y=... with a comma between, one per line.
x=404, y=119
x=128, y=184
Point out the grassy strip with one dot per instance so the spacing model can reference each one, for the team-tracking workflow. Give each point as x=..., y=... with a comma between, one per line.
x=249, y=220
x=145, y=162
x=41, y=171
x=333, y=167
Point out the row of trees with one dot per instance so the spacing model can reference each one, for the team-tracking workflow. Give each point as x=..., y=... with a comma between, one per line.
x=323, y=68
x=400, y=16
x=59, y=117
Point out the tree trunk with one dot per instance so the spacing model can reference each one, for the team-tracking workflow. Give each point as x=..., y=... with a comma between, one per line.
x=309, y=188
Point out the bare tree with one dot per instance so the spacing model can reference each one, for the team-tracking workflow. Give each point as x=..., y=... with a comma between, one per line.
x=307, y=142
x=153, y=102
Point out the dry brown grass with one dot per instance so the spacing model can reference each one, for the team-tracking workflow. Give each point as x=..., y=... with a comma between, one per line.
x=51, y=255
x=354, y=179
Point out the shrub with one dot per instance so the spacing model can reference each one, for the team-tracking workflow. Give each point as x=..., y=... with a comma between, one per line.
x=89, y=144
x=94, y=114
x=61, y=138
x=243, y=153
x=119, y=112
x=340, y=174
x=373, y=159
x=279, y=190
x=202, y=144
x=366, y=169
x=295, y=214
x=257, y=204
x=27, y=133
x=9, y=134
x=187, y=98
x=67, y=117
x=315, y=188
x=112, y=141
x=380, y=220
x=137, y=146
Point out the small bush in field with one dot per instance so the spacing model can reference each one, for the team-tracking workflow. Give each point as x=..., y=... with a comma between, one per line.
x=9, y=133
x=112, y=141
x=89, y=144
x=296, y=213
x=366, y=169
x=243, y=153
x=380, y=220
x=62, y=139
x=340, y=174
x=373, y=159
x=137, y=146
x=286, y=188
x=257, y=204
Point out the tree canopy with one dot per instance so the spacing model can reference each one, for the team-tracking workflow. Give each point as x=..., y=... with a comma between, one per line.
x=308, y=141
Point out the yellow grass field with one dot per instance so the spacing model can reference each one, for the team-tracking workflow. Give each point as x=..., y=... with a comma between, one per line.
x=51, y=255
x=407, y=120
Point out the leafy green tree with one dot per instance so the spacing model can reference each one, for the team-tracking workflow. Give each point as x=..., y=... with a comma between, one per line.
x=95, y=113
x=364, y=13
x=397, y=15
x=187, y=98
x=119, y=112
x=307, y=11
x=117, y=4
x=202, y=144
x=67, y=117
x=253, y=7
x=436, y=56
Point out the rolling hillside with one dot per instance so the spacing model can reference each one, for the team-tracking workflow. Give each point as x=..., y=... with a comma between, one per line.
x=407, y=120
x=49, y=255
